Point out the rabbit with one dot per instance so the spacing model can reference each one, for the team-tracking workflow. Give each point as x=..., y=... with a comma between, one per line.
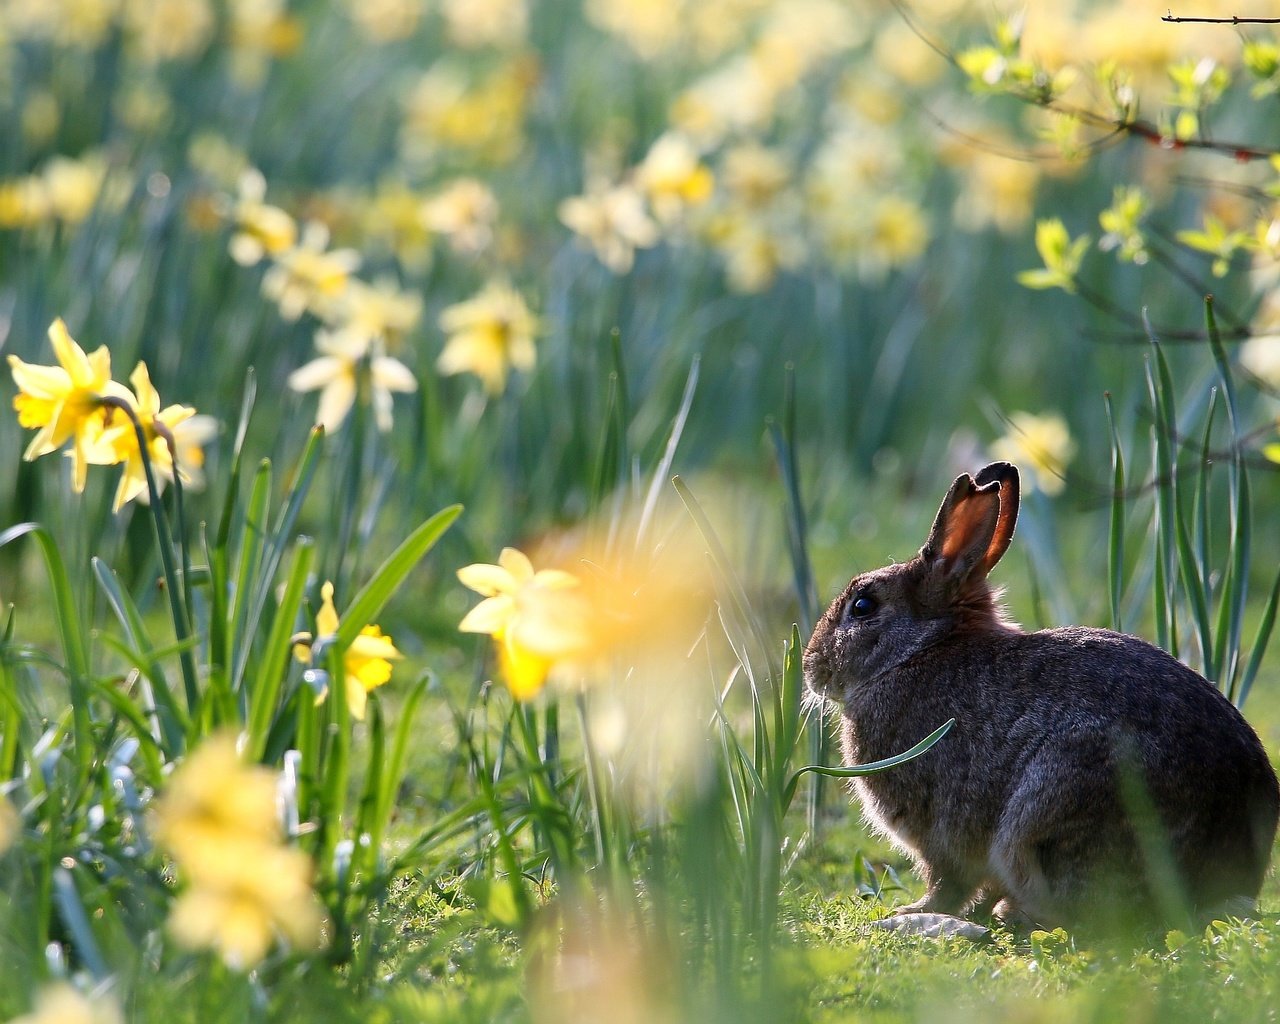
x=1090, y=779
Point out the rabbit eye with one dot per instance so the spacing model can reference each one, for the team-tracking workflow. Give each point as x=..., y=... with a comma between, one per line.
x=860, y=607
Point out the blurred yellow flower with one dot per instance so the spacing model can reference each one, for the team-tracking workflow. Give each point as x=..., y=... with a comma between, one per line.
x=163, y=30
x=464, y=211
x=337, y=374
x=1260, y=355
x=754, y=175
x=998, y=191
x=1040, y=444
x=241, y=914
x=673, y=177
x=538, y=620
x=10, y=824
x=392, y=217
x=475, y=23
x=488, y=335
x=647, y=26
x=451, y=108
x=24, y=202
x=73, y=187
x=188, y=431
x=897, y=236
x=218, y=818
x=60, y=1003
x=260, y=30
x=757, y=248
x=83, y=24
x=261, y=230
x=65, y=402
x=384, y=21
x=381, y=311
x=611, y=219
x=309, y=278
x=366, y=663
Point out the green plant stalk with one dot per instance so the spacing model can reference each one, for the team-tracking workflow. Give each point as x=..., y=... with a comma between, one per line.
x=175, y=586
x=1263, y=637
x=275, y=659
x=1115, y=544
x=599, y=812
x=252, y=544
x=1235, y=588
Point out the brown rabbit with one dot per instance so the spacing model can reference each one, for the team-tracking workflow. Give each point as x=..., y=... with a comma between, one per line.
x=1090, y=779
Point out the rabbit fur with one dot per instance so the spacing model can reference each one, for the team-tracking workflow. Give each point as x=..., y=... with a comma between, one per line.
x=1089, y=779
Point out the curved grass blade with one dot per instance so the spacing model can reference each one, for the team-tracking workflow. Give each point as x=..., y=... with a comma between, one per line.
x=854, y=771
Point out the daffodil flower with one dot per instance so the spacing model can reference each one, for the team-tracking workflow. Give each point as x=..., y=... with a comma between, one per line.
x=538, y=620
x=178, y=424
x=1040, y=444
x=336, y=375
x=65, y=402
x=308, y=276
x=261, y=229
x=366, y=663
x=612, y=219
x=245, y=887
x=489, y=334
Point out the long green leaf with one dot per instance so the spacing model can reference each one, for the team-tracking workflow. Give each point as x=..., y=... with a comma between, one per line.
x=374, y=595
x=1115, y=545
x=854, y=771
x=172, y=720
x=74, y=647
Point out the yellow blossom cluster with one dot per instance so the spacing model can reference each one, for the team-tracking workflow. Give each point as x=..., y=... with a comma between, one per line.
x=64, y=191
x=366, y=663
x=487, y=335
x=76, y=401
x=245, y=888
x=455, y=108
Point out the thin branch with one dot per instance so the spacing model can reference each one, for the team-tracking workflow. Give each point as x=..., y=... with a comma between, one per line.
x=1233, y=20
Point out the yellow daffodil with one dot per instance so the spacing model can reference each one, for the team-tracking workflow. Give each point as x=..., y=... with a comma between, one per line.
x=1040, y=444
x=366, y=663
x=218, y=818
x=307, y=277
x=538, y=620
x=489, y=334
x=241, y=916
x=261, y=229
x=674, y=177
x=612, y=219
x=465, y=212
x=60, y=1003
x=381, y=311
x=65, y=402
x=336, y=373
x=188, y=431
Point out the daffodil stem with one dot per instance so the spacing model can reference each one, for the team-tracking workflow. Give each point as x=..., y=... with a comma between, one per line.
x=164, y=541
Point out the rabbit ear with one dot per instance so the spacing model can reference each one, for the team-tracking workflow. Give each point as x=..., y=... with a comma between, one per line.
x=965, y=530
x=1006, y=475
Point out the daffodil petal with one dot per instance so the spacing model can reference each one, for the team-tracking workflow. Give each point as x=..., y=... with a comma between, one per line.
x=487, y=579
x=490, y=616
x=517, y=563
